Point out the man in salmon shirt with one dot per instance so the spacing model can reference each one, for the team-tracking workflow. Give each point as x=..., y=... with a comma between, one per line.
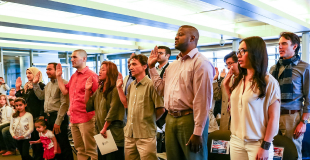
x=83, y=123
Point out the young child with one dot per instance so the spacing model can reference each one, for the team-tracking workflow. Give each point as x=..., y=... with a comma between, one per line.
x=47, y=138
x=6, y=143
x=21, y=128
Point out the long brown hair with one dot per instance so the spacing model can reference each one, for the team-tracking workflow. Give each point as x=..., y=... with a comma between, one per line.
x=110, y=82
x=258, y=57
x=16, y=114
x=6, y=99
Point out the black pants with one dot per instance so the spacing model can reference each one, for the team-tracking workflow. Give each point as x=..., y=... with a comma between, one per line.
x=117, y=155
x=23, y=147
x=62, y=137
x=37, y=149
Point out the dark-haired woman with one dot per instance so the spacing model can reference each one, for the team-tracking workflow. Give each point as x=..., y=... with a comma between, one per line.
x=109, y=109
x=36, y=106
x=21, y=128
x=255, y=103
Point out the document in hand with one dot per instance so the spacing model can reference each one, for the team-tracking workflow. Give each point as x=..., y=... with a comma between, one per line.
x=106, y=145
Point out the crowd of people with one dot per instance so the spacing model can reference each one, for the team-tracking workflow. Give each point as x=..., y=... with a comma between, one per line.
x=175, y=98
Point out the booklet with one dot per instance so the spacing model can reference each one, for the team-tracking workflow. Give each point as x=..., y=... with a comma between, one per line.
x=220, y=147
x=278, y=153
x=106, y=145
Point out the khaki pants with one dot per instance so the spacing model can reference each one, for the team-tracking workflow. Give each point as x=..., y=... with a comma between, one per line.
x=241, y=150
x=287, y=126
x=84, y=142
x=140, y=148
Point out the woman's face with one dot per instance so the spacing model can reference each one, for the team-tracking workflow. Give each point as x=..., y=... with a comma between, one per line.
x=243, y=58
x=2, y=101
x=103, y=72
x=29, y=75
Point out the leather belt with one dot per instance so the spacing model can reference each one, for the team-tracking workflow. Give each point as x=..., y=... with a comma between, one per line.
x=284, y=111
x=177, y=114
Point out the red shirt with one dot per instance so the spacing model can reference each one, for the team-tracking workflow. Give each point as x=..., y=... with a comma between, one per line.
x=76, y=88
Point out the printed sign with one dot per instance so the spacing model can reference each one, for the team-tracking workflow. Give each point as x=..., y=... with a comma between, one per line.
x=278, y=153
x=220, y=147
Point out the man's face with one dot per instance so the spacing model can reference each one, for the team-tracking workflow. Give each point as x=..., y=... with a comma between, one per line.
x=286, y=48
x=162, y=56
x=181, y=39
x=77, y=60
x=230, y=62
x=50, y=71
x=136, y=68
x=12, y=92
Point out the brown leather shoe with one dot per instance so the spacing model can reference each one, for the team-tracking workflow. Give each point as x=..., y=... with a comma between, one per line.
x=9, y=153
x=2, y=151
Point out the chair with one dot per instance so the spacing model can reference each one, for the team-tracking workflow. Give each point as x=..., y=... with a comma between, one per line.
x=290, y=151
x=218, y=135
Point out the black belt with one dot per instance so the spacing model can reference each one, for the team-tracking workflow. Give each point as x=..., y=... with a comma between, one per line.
x=51, y=113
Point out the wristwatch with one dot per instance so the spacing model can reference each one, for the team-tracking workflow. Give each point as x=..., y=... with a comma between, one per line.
x=304, y=121
x=265, y=145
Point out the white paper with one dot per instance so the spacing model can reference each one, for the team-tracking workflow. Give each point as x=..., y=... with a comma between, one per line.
x=106, y=145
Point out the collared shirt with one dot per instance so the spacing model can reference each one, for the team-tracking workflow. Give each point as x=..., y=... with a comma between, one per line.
x=76, y=88
x=54, y=100
x=187, y=84
x=129, y=80
x=6, y=114
x=301, y=87
x=108, y=109
x=249, y=114
x=4, y=88
x=159, y=70
x=142, y=102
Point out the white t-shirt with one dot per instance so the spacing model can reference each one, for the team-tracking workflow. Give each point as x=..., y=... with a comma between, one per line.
x=249, y=114
x=49, y=134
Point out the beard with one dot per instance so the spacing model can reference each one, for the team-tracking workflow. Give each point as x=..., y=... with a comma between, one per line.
x=181, y=46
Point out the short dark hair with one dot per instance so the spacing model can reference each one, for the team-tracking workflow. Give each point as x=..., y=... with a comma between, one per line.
x=294, y=39
x=10, y=100
x=53, y=63
x=12, y=88
x=143, y=60
x=167, y=49
x=231, y=55
x=42, y=122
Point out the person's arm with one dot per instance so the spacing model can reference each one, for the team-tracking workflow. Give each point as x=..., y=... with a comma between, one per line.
x=103, y=132
x=226, y=82
x=11, y=128
x=6, y=87
x=41, y=102
x=159, y=112
x=64, y=106
x=90, y=105
x=217, y=92
x=61, y=84
x=272, y=128
x=88, y=87
x=55, y=144
x=38, y=91
x=301, y=127
x=30, y=122
x=120, y=90
x=202, y=103
x=159, y=83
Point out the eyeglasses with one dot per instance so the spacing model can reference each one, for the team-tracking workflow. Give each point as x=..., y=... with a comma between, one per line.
x=241, y=52
x=229, y=64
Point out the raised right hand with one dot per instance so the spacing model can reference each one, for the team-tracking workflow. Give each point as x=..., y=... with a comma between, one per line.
x=119, y=82
x=227, y=79
x=216, y=73
x=223, y=73
x=152, y=60
x=89, y=83
x=36, y=78
x=18, y=83
x=58, y=70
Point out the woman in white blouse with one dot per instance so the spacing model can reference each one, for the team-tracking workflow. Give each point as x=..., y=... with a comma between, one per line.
x=21, y=128
x=255, y=103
